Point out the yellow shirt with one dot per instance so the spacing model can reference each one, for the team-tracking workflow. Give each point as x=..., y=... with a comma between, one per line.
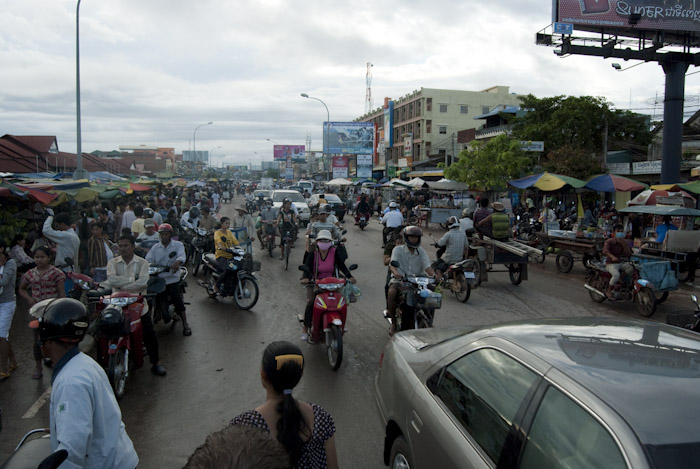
x=224, y=241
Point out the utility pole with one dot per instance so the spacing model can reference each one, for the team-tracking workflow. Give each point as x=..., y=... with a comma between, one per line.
x=454, y=148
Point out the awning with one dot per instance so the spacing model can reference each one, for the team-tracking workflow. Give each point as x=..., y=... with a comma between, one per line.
x=429, y=173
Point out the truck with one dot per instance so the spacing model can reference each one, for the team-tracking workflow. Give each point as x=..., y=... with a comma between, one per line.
x=266, y=183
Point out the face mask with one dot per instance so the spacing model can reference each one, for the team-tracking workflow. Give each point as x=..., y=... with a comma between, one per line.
x=619, y=234
x=324, y=245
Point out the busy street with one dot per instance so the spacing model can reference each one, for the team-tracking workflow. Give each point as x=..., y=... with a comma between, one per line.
x=214, y=374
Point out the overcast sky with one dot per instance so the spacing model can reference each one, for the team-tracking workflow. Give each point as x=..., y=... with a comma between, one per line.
x=152, y=70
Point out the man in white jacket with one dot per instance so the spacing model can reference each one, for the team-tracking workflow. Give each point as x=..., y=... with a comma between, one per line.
x=67, y=243
x=85, y=418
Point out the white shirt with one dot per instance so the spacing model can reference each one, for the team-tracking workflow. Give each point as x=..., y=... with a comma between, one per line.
x=159, y=255
x=392, y=219
x=466, y=223
x=187, y=222
x=127, y=219
x=67, y=243
x=86, y=420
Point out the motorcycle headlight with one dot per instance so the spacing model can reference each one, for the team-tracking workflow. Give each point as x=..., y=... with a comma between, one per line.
x=84, y=284
x=121, y=301
x=331, y=286
x=155, y=270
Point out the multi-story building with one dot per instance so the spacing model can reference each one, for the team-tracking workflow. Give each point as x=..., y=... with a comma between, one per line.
x=424, y=124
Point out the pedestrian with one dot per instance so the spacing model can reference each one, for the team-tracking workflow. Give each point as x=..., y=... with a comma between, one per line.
x=67, y=242
x=17, y=252
x=128, y=217
x=85, y=419
x=45, y=282
x=99, y=253
x=306, y=431
x=8, y=303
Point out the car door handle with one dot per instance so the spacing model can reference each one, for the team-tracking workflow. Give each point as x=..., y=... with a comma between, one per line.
x=416, y=422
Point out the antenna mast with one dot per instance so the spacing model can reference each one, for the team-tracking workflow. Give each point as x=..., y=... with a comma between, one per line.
x=368, y=93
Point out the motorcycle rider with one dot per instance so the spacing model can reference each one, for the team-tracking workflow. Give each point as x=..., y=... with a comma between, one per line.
x=321, y=263
x=287, y=221
x=363, y=208
x=413, y=261
x=129, y=273
x=454, y=243
x=149, y=237
x=614, y=250
x=160, y=255
x=223, y=241
x=190, y=219
x=392, y=219
x=206, y=220
x=466, y=224
x=268, y=214
x=84, y=414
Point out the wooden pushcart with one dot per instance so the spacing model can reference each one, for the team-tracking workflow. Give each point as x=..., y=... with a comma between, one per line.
x=513, y=255
x=570, y=250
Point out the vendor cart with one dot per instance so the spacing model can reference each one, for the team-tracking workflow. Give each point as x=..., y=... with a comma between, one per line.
x=440, y=215
x=570, y=250
x=512, y=254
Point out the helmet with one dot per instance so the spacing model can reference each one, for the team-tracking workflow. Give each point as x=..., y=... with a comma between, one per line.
x=412, y=231
x=148, y=213
x=324, y=234
x=65, y=319
x=261, y=194
x=465, y=213
x=111, y=322
x=452, y=222
x=325, y=208
x=268, y=201
x=393, y=205
x=286, y=199
x=165, y=227
x=194, y=212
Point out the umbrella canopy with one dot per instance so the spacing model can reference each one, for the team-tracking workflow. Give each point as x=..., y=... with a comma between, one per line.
x=416, y=183
x=663, y=210
x=692, y=187
x=447, y=185
x=649, y=197
x=547, y=182
x=339, y=182
x=613, y=183
x=139, y=187
x=35, y=195
x=666, y=187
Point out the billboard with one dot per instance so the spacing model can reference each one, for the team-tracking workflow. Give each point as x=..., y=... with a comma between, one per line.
x=340, y=167
x=388, y=139
x=350, y=138
x=296, y=152
x=364, y=166
x=594, y=15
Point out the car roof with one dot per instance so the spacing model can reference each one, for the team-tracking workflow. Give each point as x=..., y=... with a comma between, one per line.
x=647, y=371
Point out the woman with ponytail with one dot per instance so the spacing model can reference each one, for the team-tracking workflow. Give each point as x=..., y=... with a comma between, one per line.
x=305, y=430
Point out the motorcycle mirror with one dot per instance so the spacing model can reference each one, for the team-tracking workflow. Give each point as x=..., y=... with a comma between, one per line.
x=352, y=267
x=172, y=254
x=394, y=263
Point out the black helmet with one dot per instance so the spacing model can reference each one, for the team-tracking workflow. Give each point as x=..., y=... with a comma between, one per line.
x=148, y=213
x=325, y=208
x=65, y=319
x=412, y=231
x=111, y=322
x=194, y=212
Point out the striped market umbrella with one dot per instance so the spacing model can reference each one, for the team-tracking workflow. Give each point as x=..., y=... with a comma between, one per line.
x=614, y=183
x=547, y=182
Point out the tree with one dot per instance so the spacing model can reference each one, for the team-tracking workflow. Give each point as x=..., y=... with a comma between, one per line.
x=571, y=161
x=272, y=173
x=491, y=164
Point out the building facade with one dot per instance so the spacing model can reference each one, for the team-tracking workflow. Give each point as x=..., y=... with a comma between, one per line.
x=424, y=124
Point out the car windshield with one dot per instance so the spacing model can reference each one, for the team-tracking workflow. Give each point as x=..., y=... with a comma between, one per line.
x=280, y=196
x=333, y=198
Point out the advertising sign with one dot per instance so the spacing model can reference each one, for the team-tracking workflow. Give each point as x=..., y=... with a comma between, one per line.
x=350, y=138
x=408, y=146
x=364, y=166
x=646, y=167
x=289, y=169
x=296, y=152
x=388, y=124
x=340, y=167
x=531, y=146
x=618, y=168
x=654, y=14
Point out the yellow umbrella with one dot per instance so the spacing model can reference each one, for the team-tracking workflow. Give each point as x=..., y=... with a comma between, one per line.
x=666, y=187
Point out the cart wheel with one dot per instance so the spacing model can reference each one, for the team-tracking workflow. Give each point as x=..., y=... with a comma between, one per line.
x=661, y=297
x=515, y=271
x=565, y=262
x=478, y=268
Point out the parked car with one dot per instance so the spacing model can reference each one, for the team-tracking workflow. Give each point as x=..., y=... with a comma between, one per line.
x=570, y=393
x=336, y=204
x=297, y=199
x=296, y=188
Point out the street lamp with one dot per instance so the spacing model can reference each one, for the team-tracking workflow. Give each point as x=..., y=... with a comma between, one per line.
x=328, y=123
x=194, y=138
x=210, y=154
x=79, y=173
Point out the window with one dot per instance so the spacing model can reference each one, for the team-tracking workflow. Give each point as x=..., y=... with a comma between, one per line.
x=563, y=435
x=485, y=109
x=428, y=125
x=484, y=391
x=463, y=109
x=442, y=152
x=429, y=104
x=442, y=129
x=443, y=108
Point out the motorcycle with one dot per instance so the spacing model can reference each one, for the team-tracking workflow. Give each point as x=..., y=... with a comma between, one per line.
x=35, y=452
x=120, y=337
x=628, y=288
x=525, y=230
x=226, y=197
x=268, y=239
x=250, y=206
x=239, y=280
x=158, y=298
x=203, y=241
x=459, y=279
x=417, y=304
x=81, y=282
x=329, y=315
x=686, y=319
x=363, y=220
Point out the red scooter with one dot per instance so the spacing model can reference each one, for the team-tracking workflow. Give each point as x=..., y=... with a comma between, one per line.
x=120, y=337
x=329, y=315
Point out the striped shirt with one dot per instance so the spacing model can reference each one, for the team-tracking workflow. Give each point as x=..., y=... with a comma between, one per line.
x=44, y=285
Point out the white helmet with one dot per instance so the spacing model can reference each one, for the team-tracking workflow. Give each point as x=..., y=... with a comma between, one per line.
x=452, y=222
x=324, y=234
x=393, y=205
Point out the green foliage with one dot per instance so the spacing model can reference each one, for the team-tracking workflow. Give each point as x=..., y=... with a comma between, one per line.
x=9, y=225
x=272, y=173
x=491, y=164
x=571, y=161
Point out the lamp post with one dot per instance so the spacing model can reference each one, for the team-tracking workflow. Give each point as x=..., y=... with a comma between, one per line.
x=79, y=172
x=194, y=138
x=210, y=154
x=325, y=128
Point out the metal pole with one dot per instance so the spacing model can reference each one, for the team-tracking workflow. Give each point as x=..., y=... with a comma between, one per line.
x=326, y=130
x=194, y=139
x=79, y=173
x=673, y=122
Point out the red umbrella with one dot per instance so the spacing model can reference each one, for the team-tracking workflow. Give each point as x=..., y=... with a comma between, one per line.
x=649, y=197
x=614, y=183
x=139, y=187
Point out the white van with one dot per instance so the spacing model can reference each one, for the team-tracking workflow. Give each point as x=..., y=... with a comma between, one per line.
x=307, y=186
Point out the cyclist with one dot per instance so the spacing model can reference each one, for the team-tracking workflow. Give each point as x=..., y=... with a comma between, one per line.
x=287, y=221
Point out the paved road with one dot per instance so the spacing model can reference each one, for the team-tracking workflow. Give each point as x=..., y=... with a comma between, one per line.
x=214, y=374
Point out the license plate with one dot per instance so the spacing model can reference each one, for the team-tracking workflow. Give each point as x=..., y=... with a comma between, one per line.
x=469, y=275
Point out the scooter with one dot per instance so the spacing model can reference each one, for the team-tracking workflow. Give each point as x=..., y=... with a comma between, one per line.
x=35, y=451
x=120, y=337
x=329, y=315
x=363, y=220
x=458, y=277
x=686, y=319
x=158, y=299
x=636, y=289
x=418, y=303
x=81, y=282
x=239, y=281
x=202, y=242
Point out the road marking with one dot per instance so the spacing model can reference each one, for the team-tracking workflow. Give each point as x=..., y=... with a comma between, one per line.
x=37, y=405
